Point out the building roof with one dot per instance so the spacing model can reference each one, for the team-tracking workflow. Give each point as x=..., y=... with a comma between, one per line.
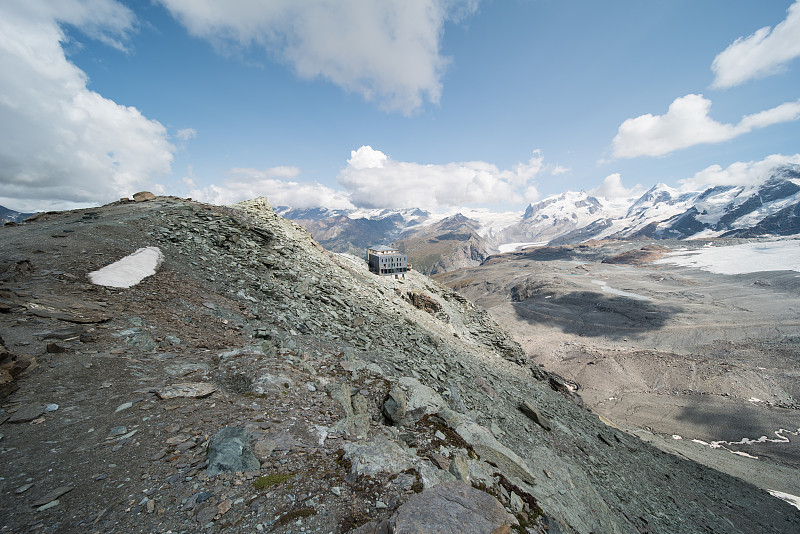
x=383, y=248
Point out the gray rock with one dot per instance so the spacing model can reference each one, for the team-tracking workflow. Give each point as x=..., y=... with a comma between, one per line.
x=22, y=489
x=488, y=447
x=52, y=496
x=184, y=368
x=432, y=476
x=419, y=401
x=356, y=418
x=459, y=467
x=117, y=431
x=187, y=389
x=379, y=455
x=269, y=382
x=535, y=415
x=26, y=413
x=515, y=502
x=395, y=406
x=229, y=450
x=139, y=338
x=450, y=508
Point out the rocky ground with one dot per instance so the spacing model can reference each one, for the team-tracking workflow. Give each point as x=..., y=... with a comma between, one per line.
x=259, y=383
x=701, y=364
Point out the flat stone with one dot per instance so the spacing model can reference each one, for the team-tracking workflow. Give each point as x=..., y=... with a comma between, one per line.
x=67, y=309
x=53, y=495
x=535, y=415
x=47, y=506
x=26, y=413
x=196, y=390
x=206, y=513
x=117, y=431
x=23, y=488
x=124, y=406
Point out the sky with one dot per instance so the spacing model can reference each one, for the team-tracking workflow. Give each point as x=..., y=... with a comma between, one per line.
x=433, y=104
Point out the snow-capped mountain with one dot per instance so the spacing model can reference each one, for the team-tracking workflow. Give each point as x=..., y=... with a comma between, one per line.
x=354, y=230
x=728, y=211
x=559, y=216
x=771, y=207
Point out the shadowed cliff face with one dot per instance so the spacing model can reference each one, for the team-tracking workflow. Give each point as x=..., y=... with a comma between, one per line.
x=249, y=324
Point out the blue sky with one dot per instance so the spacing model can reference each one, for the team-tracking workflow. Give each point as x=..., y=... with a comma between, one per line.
x=426, y=103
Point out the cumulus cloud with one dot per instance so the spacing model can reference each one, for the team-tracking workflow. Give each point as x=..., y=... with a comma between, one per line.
x=387, y=51
x=765, y=52
x=739, y=173
x=612, y=188
x=688, y=123
x=275, y=183
x=62, y=145
x=374, y=180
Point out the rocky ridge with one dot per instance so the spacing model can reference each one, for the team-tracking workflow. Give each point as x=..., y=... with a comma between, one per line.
x=352, y=393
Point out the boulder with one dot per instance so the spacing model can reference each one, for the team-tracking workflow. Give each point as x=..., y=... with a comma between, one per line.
x=229, y=451
x=143, y=196
x=356, y=419
x=395, y=406
x=410, y=400
x=378, y=455
x=452, y=507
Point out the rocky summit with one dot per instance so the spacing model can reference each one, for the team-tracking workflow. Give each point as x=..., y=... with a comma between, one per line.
x=258, y=383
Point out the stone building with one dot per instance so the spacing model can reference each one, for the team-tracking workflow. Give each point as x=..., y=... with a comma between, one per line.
x=385, y=260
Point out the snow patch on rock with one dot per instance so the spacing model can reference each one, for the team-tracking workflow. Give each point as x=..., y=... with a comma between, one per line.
x=130, y=270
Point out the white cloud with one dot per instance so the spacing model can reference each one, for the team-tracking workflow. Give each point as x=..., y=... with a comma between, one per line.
x=62, y=145
x=275, y=183
x=738, y=173
x=387, y=51
x=687, y=123
x=612, y=188
x=186, y=134
x=373, y=180
x=559, y=170
x=765, y=52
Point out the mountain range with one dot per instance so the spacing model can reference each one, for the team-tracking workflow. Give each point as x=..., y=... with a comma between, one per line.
x=7, y=215
x=439, y=243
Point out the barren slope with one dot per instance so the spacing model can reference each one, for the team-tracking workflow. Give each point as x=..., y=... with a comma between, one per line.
x=250, y=325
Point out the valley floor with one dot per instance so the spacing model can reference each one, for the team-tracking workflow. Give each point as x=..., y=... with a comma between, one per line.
x=702, y=365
